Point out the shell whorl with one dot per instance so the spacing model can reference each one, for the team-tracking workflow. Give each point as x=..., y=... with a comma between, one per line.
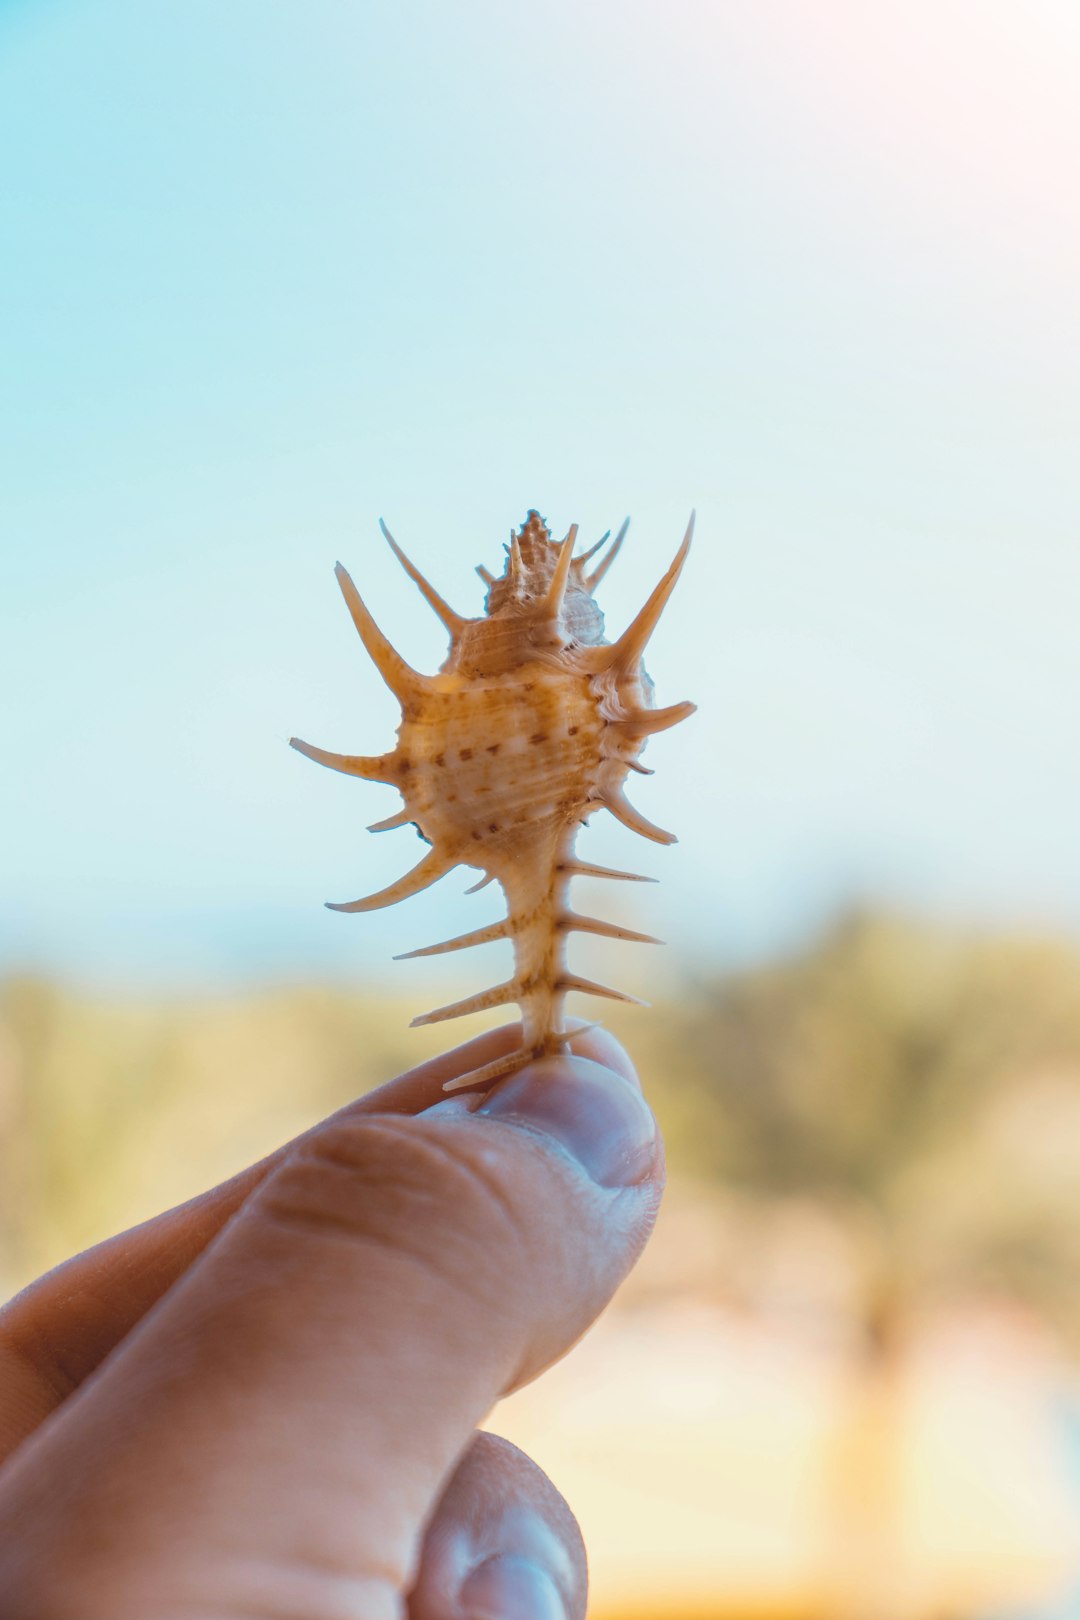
x=533, y=723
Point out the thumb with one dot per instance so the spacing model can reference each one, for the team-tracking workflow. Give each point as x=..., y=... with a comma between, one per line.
x=273, y=1435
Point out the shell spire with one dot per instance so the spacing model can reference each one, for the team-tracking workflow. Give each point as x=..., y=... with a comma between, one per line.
x=532, y=725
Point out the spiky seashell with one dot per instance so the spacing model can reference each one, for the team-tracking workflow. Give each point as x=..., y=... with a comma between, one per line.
x=532, y=723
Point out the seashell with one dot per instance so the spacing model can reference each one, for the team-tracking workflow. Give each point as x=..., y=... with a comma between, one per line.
x=533, y=723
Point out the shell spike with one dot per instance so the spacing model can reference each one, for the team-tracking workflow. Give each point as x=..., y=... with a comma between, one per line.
x=401, y=818
x=400, y=677
x=606, y=930
x=553, y=601
x=563, y=1036
x=497, y=996
x=593, y=579
x=571, y=981
x=453, y=621
x=485, y=574
x=586, y=556
x=624, y=811
x=576, y=868
x=380, y=768
x=430, y=869
x=631, y=644
x=645, y=722
x=477, y=936
x=495, y=1069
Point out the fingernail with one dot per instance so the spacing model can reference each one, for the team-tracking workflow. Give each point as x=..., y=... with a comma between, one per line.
x=511, y=1588
x=592, y=1112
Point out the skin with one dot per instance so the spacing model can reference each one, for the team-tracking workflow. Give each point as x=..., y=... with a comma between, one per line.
x=263, y=1404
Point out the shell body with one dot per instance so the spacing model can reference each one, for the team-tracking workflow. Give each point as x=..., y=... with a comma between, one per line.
x=532, y=724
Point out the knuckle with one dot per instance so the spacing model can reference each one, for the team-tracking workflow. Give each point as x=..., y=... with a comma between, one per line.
x=40, y=1362
x=380, y=1181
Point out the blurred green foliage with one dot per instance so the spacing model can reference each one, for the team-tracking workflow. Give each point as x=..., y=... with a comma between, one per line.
x=921, y=1084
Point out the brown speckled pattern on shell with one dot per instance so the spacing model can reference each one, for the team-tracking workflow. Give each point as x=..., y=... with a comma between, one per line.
x=532, y=724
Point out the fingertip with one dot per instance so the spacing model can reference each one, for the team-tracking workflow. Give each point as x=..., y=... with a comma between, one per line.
x=590, y=1110
x=502, y=1542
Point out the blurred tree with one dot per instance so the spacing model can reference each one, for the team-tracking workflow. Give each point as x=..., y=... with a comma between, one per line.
x=925, y=1086
x=918, y=1077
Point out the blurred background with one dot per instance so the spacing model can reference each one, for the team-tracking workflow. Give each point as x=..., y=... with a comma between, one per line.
x=269, y=272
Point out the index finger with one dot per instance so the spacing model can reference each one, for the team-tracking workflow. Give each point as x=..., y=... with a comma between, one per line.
x=60, y=1328
x=286, y=1418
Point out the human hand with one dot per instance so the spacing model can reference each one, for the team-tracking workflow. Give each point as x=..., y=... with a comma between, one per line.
x=262, y=1404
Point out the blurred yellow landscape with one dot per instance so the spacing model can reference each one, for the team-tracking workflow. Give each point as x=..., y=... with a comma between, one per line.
x=842, y=1383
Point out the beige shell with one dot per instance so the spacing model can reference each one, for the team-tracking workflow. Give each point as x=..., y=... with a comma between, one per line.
x=533, y=723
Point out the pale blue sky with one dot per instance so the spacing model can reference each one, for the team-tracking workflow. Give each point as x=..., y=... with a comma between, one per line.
x=270, y=269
